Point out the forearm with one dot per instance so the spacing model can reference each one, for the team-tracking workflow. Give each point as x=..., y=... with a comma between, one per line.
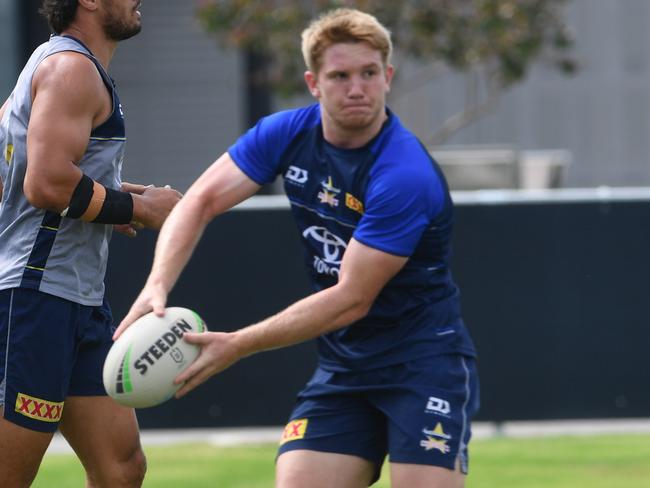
x=50, y=189
x=178, y=237
x=364, y=272
x=221, y=187
x=315, y=315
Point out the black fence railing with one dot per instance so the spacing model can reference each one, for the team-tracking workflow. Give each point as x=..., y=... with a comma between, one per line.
x=555, y=293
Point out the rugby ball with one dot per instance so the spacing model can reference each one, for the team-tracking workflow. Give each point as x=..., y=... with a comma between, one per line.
x=141, y=365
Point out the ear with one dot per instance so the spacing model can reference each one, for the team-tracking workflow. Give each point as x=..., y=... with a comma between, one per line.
x=312, y=84
x=390, y=71
x=91, y=5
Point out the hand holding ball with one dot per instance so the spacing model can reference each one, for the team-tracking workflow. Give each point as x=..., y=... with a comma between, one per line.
x=140, y=368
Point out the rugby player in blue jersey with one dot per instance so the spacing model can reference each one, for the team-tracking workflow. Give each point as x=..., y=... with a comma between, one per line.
x=396, y=372
x=62, y=142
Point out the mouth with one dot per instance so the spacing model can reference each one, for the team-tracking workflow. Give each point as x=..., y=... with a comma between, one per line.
x=356, y=107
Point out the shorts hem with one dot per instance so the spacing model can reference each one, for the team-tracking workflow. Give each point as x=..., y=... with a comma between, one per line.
x=86, y=394
x=33, y=425
x=439, y=463
x=296, y=447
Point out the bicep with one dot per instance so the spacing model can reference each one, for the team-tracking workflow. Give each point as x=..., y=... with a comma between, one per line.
x=222, y=186
x=60, y=123
x=66, y=98
x=366, y=270
x=399, y=206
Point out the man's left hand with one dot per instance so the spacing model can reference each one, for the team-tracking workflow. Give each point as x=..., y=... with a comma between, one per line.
x=218, y=352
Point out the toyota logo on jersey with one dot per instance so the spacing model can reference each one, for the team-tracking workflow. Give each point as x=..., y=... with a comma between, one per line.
x=332, y=248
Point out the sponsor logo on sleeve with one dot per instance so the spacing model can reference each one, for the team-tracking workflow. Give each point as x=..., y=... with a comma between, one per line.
x=294, y=430
x=353, y=203
x=38, y=409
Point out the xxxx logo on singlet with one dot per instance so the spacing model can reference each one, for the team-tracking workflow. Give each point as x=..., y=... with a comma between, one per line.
x=38, y=409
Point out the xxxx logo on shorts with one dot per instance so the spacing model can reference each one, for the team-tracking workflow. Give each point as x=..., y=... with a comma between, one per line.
x=38, y=409
x=294, y=430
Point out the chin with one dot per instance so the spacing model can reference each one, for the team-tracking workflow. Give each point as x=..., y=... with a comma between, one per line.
x=359, y=121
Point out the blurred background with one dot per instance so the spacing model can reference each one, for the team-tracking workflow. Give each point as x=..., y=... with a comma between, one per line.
x=559, y=89
x=539, y=114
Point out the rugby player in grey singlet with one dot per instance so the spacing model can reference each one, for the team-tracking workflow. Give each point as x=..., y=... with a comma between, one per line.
x=38, y=248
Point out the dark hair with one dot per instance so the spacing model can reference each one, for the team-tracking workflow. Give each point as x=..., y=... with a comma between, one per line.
x=59, y=13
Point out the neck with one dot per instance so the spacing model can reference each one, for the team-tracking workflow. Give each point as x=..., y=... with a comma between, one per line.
x=351, y=138
x=101, y=47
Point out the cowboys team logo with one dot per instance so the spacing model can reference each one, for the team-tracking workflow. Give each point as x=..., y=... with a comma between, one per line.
x=332, y=247
x=329, y=193
x=436, y=439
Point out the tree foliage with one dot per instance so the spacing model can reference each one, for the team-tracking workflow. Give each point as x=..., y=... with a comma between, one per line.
x=494, y=42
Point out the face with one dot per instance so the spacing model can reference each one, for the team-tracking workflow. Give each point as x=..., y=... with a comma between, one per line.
x=121, y=18
x=351, y=86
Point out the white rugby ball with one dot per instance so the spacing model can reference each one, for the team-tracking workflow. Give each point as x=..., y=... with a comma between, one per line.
x=141, y=365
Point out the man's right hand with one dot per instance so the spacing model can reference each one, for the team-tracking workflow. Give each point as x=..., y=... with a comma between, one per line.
x=152, y=206
x=152, y=298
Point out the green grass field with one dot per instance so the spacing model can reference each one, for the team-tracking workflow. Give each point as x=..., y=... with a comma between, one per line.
x=613, y=461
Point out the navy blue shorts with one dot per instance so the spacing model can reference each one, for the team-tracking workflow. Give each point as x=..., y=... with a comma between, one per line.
x=50, y=348
x=418, y=412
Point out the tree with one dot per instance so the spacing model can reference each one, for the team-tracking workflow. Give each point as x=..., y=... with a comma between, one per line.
x=493, y=42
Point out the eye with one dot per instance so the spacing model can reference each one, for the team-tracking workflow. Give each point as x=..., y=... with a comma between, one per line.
x=369, y=73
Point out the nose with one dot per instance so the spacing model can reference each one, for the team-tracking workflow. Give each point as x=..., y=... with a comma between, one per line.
x=356, y=87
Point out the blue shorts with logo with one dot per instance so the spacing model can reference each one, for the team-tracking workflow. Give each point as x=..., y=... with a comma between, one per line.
x=50, y=348
x=417, y=412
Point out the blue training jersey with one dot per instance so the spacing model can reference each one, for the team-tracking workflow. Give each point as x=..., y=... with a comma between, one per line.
x=389, y=195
